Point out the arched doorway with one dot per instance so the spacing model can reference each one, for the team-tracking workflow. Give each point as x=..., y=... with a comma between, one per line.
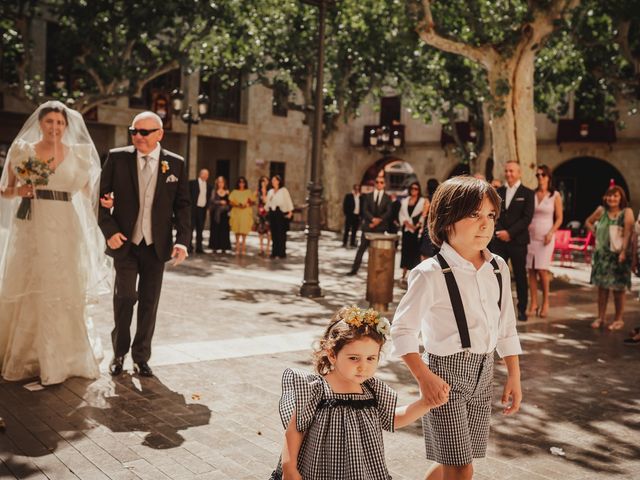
x=582, y=182
x=398, y=175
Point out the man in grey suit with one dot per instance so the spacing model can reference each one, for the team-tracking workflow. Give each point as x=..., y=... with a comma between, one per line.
x=150, y=194
x=376, y=215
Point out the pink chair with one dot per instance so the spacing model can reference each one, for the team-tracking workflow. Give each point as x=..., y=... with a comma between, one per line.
x=583, y=245
x=562, y=246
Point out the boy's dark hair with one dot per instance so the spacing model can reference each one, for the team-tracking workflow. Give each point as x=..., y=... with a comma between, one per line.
x=455, y=199
x=337, y=335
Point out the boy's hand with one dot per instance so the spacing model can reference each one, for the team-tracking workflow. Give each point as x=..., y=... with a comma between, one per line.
x=512, y=391
x=434, y=390
x=291, y=475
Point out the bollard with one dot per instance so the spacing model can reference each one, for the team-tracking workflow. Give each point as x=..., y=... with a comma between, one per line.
x=381, y=264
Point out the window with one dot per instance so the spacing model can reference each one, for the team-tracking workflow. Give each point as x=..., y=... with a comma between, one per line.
x=161, y=86
x=277, y=168
x=280, y=99
x=225, y=96
x=390, y=109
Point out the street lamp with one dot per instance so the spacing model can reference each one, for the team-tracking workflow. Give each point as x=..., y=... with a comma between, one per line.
x=177, y=103
x=386, y=139
x=311, y=284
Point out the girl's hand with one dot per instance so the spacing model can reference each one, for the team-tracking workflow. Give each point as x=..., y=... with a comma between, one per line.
x=294, y=474
x=434, y=390
x=290, y=215
x=622, y=257
x=106, y=201
x=547, y=238
x=25, y=191
x=512, y=391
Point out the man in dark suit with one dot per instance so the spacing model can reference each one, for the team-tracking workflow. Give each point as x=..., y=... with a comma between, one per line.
x=351, y=209
x=200, y=190
x=512, y=230
x=150, y=197
x=376, y=215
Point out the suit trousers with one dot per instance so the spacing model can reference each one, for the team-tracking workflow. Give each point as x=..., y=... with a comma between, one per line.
x=364, y=244
x=141, y=261
x=199, y=214
x=351, y=223
x=518, y=256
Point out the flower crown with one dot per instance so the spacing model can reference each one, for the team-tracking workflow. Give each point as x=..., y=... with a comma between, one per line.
x=358, y=317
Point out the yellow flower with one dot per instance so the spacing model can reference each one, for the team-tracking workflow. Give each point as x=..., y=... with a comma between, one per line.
x=164, y=165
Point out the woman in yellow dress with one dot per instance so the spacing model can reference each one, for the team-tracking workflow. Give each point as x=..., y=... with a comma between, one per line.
x=241, y=217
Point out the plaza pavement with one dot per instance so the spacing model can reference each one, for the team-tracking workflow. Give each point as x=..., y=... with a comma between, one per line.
x=226, y=330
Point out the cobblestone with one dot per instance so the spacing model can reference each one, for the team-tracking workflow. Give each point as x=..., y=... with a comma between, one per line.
x=228, y=327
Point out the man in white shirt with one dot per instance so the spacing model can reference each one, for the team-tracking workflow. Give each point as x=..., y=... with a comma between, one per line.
x=351, y=209
x=151, y=198
x=512, y=230
x=200, y=190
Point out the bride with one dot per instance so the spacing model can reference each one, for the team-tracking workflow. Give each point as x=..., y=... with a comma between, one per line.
x=51, y=252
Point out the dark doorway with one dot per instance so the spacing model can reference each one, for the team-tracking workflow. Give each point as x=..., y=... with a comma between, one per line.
x=582, y=182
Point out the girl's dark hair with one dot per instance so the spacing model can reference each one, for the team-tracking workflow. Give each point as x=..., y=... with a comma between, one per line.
x=242, y=179
x=280, y=180
x=263, y=177
x=455, y=199
x=337, y=335
x=47, y=110
x=417, y=184
x=547, y=171
x=611, y=191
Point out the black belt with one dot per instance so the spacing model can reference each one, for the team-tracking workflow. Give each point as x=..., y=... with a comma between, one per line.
x=53, y=195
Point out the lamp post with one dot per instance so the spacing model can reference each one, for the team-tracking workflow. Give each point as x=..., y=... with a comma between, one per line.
x=177, y=103
x=311, y=284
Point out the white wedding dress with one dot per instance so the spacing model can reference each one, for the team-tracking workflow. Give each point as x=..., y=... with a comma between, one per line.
x=45, y=330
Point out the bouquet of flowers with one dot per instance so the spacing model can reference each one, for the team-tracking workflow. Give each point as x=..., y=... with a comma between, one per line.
x=32, y=171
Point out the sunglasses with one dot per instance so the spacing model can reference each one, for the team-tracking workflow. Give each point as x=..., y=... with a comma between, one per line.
x=380, y=181
x=540, y=175
x=142, y=131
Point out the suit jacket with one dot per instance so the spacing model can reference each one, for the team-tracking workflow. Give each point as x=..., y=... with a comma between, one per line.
x=194, y=190
x=349, y=204
x=369, y=210
x=517, y=217
x=171, y=206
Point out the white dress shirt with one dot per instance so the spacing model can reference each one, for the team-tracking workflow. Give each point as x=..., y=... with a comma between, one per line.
x=511, y=191
x=377, y=196
x=202, y=193
x=280, y=199
x=426, y=308
x=356, y=203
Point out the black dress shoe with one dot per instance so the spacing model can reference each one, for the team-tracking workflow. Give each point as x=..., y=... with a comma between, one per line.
x=199, y=250
x=115, y=367
x=143, y=369
x=522, y=316
x=351, y=273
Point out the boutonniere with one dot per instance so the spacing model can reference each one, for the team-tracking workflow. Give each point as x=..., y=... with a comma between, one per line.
x=164, y=165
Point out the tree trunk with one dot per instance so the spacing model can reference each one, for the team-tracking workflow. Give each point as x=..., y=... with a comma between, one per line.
x=513, y=125
x=332, y=181
x=486, y=140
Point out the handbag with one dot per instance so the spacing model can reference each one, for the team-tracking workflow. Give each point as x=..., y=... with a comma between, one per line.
x=616, y=237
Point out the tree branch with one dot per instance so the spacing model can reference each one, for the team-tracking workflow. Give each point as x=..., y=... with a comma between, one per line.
x=426, y=31
x=624, y=27
x=141, y=82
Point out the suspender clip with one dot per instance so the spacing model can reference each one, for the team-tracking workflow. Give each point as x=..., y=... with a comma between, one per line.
x=467, y=352
x=446, y=270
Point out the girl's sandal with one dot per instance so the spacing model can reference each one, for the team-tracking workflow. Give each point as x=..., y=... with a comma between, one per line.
x=617, y=325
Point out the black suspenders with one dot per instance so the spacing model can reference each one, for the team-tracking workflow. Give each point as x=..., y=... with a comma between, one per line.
x=456, y=300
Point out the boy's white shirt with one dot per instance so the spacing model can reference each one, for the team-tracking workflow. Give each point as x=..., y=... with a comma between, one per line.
x=426, y=308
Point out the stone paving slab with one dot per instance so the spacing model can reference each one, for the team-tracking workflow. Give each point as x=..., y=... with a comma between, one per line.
x=228, y=327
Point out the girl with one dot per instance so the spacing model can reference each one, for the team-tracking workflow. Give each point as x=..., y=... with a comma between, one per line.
x=334, y=419
x=462, y=282
x=411, y=210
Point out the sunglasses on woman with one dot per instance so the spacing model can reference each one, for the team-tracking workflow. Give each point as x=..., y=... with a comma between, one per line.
x=541, y=175
x=142, y=131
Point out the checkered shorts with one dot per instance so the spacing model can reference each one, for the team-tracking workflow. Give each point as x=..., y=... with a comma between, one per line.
x=457, y=432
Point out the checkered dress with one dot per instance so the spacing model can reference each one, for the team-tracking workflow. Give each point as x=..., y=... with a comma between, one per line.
x=457, y=432
x=343, y=432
